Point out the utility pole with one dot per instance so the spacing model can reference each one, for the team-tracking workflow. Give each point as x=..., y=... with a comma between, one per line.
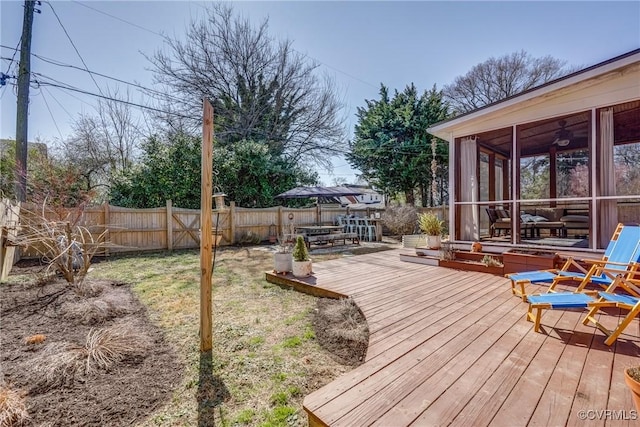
x=24, y=76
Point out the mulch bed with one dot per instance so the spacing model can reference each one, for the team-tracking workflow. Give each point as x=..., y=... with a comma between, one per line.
x=125, y=394
x=342, y=330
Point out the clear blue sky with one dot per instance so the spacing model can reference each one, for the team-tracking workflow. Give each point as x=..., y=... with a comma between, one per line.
x=359, y=44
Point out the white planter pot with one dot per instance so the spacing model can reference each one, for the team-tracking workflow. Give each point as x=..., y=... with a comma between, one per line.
x=282, y=263
x=433, y=242
x=413, y=241
x=301, y=268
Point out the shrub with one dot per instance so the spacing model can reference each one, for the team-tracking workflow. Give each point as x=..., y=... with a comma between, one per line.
x=634, y=373
x=430, y=224
x=400, y=219
x=300, y=252
x=490, y=261
x=66, y=246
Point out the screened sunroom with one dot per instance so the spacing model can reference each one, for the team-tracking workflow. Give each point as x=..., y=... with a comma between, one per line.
x=556, y=167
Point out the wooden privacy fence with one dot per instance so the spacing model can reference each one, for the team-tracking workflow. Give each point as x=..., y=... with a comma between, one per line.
x=169, y=227
x=9, y=215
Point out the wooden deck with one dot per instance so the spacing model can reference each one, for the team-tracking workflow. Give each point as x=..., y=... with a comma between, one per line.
x=453, y=348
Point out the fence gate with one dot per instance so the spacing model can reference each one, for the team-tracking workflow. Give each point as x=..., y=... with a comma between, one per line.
x=185, y=227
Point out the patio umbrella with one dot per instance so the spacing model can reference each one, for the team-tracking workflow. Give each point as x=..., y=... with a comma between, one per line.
x=304, y=192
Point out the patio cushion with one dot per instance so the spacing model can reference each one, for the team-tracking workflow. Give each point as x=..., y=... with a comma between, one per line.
x=538, y=218
x=619, y=298
x=562, y=300
x=552, y=214
x=503, y=214
x=533, y=276
x=575, y=218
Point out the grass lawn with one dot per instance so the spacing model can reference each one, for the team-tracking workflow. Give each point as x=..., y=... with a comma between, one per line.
x=265, y=356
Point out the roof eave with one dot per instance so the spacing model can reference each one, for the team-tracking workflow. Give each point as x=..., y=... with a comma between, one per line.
x=443, y=129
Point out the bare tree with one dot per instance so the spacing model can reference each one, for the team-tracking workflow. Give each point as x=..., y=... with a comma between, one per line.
x=105, y=142
x=498, y=78
x=262, y=89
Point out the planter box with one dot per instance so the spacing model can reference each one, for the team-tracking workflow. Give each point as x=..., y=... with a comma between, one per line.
x=516, y=262
x=413, y=241
x=471, y=266
x=475, y=256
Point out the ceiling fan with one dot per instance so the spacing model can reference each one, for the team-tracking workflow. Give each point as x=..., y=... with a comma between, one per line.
x=563, y=136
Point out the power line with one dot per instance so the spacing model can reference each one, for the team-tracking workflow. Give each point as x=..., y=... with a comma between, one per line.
x=83, y=101
x=74, y=46
x=133, y=104
x=13, y=56
x=339, y=71
x=203, y=7
x=119, y=19
x=63, y=64
x=58, y=102
x=51, y=114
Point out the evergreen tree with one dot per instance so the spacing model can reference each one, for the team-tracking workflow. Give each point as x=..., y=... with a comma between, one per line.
x=392, y=147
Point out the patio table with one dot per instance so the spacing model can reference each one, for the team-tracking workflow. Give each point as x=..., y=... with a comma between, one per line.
x=313, y=230
x=548, y=225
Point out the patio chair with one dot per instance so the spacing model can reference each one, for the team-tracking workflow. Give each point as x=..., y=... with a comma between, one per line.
x=608, y=298
x=499, y=221
x=621, y=256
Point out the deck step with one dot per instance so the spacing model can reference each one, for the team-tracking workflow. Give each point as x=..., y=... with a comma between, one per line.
x=420, y=259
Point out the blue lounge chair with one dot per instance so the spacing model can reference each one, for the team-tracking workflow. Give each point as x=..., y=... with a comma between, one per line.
x=618, y=258
x=608, y=298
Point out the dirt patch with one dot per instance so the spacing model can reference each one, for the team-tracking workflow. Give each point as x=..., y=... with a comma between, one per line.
x=90, y=361
x=342, y=330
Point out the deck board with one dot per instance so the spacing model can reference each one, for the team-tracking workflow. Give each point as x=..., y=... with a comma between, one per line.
x=454, y=348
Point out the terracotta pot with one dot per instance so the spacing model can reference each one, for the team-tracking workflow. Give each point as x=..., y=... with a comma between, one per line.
x=634, y=386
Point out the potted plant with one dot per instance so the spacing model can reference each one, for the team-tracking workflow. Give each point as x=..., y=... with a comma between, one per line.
x=431, y=226
x=632, y=378
x=301, y=265
x=282, y=257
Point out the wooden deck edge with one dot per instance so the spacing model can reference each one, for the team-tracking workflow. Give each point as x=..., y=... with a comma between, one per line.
x=301, y=286
x=313, y=420
x=426, y=260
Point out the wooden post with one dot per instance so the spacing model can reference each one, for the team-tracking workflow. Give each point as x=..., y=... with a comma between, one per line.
x=107, y=225
x=318, y=214
x=206, y=187
x=169, y=226
x=232, y=222
x=7, y=243
x=280, y=225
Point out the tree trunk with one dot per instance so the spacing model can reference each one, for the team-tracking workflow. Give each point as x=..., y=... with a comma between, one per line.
x=410, y=197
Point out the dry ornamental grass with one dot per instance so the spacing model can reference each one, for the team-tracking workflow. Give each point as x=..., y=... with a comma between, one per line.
x=13, y=411
x=111, y=303
x=61, y=363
